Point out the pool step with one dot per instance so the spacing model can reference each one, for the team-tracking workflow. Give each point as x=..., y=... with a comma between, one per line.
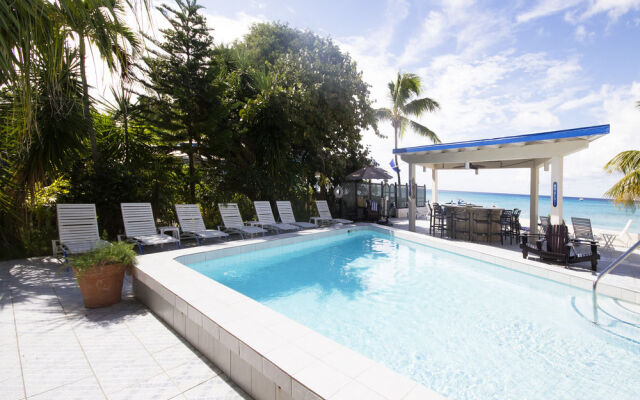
x=615, y=317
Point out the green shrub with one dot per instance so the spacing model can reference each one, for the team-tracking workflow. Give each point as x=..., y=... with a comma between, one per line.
x=117, y=253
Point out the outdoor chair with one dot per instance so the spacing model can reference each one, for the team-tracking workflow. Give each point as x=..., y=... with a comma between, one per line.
x=515, y=223
x=285, y=212
x=192, y=225
x=140, y=226
x=233, y=223
x=438, y=220
x=506, y=225
x=268, y=221
x=582, y=229
x=544, y=224
x=324, y=215
x=77, y=230
x=461, y=222
x=556, y=246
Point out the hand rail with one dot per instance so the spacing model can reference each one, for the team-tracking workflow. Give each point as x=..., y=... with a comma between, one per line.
x=610, y=268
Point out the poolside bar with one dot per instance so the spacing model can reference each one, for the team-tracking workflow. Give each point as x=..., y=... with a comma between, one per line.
x=532, y=151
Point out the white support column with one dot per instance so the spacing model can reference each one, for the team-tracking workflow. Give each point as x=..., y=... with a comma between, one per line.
x=411, y=193
x=556, y=190
x=533, y=198
x=434, y=185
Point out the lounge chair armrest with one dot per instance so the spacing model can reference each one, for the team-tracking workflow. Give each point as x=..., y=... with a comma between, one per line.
x=585, y=241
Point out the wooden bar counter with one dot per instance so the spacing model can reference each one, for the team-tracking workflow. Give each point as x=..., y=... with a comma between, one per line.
x=472, y=229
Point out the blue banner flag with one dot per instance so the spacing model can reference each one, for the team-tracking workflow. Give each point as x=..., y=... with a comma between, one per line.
x=394, y=166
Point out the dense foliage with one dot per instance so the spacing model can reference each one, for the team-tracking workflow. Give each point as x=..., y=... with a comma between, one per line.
x=276, y=115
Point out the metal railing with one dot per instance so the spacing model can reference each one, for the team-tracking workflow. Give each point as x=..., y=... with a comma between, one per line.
x=610, y=268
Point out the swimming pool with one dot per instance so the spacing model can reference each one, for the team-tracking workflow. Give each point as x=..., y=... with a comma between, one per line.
x=465, y=328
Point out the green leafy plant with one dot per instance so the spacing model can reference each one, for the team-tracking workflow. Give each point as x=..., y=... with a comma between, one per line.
x=118, y=253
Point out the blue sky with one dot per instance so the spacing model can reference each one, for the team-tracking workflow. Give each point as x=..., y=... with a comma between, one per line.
x=497, y=68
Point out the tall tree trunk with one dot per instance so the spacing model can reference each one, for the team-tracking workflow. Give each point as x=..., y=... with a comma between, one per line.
x=192, y=171
x=395, y=131
x=126, y=135
x=85, y=102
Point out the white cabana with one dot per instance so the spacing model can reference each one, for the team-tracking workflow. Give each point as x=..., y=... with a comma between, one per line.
x=533, y=151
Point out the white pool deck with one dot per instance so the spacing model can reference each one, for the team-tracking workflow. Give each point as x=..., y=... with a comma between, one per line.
x=51, y=347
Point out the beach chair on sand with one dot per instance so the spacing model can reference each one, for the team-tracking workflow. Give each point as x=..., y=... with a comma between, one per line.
x=324, y=215
x=232, y=221
x=267, y=220
x=77, y=230
x=140, y=227
x=192, y=225
x=624, y=236
x=555, y=245
x=286, y=215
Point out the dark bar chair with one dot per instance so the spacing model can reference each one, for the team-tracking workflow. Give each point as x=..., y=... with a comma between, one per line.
x=461, y=222
x=506, y=222
x=483, y=218
x=515, y=223
x=438, y=220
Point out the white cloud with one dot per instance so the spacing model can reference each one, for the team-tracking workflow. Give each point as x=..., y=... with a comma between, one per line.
x=545, y=8
x=613, y=8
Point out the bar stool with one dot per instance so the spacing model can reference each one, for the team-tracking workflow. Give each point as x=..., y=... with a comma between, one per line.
x=505, y=225
x=482, y=217
x=438, y=220
x=515, y=223
x=461, y=217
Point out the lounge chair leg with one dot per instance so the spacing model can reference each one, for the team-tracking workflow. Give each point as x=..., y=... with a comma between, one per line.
x=179, y=245
x=140, y=248
x=198, y=240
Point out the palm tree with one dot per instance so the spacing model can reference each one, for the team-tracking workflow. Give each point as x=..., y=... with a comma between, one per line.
x=405, y=103
x=99, y=23
x=627, y=190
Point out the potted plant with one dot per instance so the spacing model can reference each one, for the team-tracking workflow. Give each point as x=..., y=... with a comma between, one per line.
x=100, y=273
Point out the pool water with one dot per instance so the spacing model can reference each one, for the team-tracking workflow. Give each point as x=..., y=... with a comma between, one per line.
x=462, y=327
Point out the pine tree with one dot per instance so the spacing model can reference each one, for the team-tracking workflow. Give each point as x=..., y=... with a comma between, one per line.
x=183, y=98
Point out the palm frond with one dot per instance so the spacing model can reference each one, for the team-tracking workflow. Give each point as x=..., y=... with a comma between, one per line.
x=418, y=106
x=624, y=162
x=384, y=114
x=626, y=191
x=424, y=131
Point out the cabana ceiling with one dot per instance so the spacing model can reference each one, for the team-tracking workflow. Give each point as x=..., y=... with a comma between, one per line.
x=521, y=151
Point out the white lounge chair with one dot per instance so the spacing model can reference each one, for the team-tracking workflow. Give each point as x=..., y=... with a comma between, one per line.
x=624, y=236
x=232, y=221
x=192, y=225
x=77, y=229
x=325, y=214
x=267, y=220
x=140, y=227
x=286, y=215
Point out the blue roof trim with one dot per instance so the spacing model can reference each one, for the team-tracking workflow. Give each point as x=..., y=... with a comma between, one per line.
x=562, y=134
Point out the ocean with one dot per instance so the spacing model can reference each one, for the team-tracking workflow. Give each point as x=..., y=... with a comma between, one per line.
x=602, y=212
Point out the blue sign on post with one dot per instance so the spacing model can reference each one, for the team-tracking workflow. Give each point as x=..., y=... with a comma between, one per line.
x=555, y=194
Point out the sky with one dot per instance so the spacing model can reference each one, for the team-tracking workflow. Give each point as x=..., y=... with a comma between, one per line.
x=497, y=69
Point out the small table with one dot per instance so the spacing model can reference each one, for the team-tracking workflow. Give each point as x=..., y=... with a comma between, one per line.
x=608, y=241
x=175, y=231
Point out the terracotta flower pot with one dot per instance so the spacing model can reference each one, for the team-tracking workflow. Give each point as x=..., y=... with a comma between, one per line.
x=101, y=286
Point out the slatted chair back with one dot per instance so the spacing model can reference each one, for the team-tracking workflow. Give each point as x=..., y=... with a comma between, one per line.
x=323, y=209
x=286, y=212
x=264, y=212
x=544, y=223
x=77, y=223
x=582, y=228
x=557, y=237
x=138, y=219
x=190, y=218
x=230, y=214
